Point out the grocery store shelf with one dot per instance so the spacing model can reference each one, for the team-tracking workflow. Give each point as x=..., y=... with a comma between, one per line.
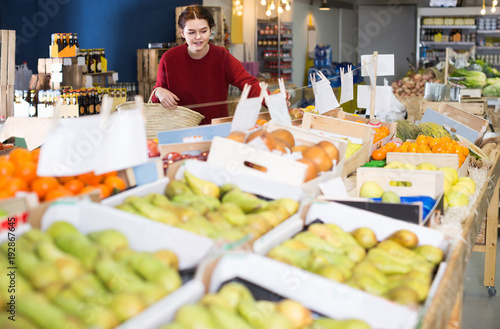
x=447, y=44
x=285, y=47
x=426, y=27
x=488, y=31
x=274, y=36
x=284, y=71
x=487, y=48
x=431, y=58
x=287, y=59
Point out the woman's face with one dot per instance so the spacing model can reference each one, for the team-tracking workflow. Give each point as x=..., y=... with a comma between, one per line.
x=197, y=33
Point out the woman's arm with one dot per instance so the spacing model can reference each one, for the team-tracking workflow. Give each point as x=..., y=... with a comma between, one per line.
x=160, y=92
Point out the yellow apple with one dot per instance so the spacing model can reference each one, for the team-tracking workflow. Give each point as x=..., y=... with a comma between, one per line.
x=450, y=174
x=426, y=166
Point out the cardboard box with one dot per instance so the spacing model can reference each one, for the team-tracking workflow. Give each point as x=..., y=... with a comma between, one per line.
x=472, y=105
x=319, y=294
x=355, y=132
x=246, y=158
x=458, y=121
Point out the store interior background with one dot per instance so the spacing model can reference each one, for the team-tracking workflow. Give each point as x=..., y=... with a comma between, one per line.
x=351, y=28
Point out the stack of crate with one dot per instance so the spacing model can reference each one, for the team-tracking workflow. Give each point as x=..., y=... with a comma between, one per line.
x=147, y=69
x=7, y=72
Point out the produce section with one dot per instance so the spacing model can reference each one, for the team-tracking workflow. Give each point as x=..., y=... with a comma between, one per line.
x=304, y=216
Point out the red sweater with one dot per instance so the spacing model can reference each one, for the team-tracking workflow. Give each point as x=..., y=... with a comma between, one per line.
x=205, y=80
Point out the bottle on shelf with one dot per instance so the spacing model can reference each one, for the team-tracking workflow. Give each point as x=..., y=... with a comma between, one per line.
x=98, y=61
x=32, y=111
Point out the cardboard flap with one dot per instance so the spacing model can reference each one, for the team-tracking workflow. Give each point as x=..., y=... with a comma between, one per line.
x=337, y=126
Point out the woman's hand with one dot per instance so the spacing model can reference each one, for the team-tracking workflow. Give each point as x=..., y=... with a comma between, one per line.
x=167, y=98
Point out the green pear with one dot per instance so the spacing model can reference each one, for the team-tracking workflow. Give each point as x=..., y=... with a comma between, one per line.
x=234, y=293
x=114, y=275
x=390, y=197
x=290, y=205
x=227, y=319
x=231, y=235
x=200, y=186
x=369, y=284
x=295, y=312
x=154, y=270
x=295, y=244
x=258, y=223
x=61, y=227
x=87, y=286
x=35, y=235
x=79, y=246
x=385, y=262
x=168, y=258
x=177, y=187
x=233, y=214
x=365, y=237
x=273, y=217
x=110, y=240
x=218, y=220
x=406, y=238
x=199, y=225
x=402, y=295
x=277, y=321
x=299, y=258
x=322, y=231
x=331, y=272
x=153, y=212
x=247, y=202
x=398, y=250
x=355, y=252
x=228, y=187
x=26, y=261
x=314, y=242
x=195, y=316
x=149, y=292
x=174, y=325
x=128, y=208
x=68, y=266
x=432, y=254
x=256, y=312
x=216, y=299
x=21, y=322
x=368, y=268
x=45, y=314
x=126, y=305
x=123, y=255
x=325, y=323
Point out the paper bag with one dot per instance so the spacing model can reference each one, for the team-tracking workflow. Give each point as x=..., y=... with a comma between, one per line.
x=277, y=106
x=346, y=81
x=247, y=110
x=325, y=99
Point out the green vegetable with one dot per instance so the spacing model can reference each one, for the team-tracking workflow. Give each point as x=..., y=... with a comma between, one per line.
x=492, y=81
x=375, y=163
x=473, y=79
x=492, y=90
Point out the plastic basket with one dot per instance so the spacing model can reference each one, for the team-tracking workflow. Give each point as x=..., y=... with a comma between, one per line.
x=160, y=119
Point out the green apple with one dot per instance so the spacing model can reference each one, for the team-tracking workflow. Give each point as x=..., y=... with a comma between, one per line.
x=426, y=166
x=371, y=190
x=450, y=174
x=390, y=197
x=457, y=199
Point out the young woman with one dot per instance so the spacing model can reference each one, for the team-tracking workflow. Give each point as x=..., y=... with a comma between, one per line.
x=199, y=72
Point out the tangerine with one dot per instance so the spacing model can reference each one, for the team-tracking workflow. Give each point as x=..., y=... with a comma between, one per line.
x=35, y=155
x=19, y=155
x=422, y=140
x=4, y=195
x=59, y=192
x=111, y=174
x=64, y=179
x=87, y=189
x=74, y=186
x=105, y=190
x=115, y=182
x=42, y=185
x=14, y=185
x=6, y=168
x=26, y=171
x=90, y=178
x=379, y=154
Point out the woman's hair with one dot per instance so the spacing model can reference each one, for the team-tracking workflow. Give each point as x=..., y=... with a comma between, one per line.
x=195, y=12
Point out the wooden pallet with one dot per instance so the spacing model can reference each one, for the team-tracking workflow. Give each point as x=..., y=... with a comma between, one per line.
x=7, y=71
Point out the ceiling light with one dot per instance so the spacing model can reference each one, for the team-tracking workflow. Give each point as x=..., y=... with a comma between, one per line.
x=263, y=2
x=493, y=9
x=324, y=5
x=272, y=6
x=280, y=9
x=287, y=7
x=495, y=2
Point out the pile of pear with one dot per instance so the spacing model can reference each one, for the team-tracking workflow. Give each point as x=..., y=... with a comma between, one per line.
x=457, y=190
x=395, y=268
x=223, y=213
x=66, y=279
x=234, y=307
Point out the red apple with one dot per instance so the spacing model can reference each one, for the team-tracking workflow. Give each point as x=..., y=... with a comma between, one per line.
x=153, y=149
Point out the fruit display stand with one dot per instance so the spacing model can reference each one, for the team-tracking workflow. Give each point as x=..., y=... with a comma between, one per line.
x=359, y=133
x=445, y=309
x=246, y=158
x=471, y=105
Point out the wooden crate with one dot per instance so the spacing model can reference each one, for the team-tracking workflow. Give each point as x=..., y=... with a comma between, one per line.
x=262, y=116
x=147, y=63
x=437, y=159
x=471, y=105
x=7, y=71
x=145, y=89
x=343, y=128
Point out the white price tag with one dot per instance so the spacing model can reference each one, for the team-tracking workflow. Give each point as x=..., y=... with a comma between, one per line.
x=382, y=97
x=325, y=99
x=346, y=80
x=247, y=111
x=385, y=65
x=277, y=106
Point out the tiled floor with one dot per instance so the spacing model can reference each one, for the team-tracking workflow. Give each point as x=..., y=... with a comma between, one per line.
x=480, y=311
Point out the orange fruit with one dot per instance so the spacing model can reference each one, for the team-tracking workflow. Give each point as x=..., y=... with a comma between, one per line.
x=74, y=186
x=59, y=192
x=6, y=168
x=64, y=179
x=4, y=195
x=390, y=146
x=35, y=154
x=4, y=158
x=422, y=140
x=26, y=171
x=115, y=182
x=465, y=150
x=413, y=148
x=14, y=185
x=19, y=155
x=105, y=191
x=42, y=185
x=461, y=159
x=87, y=189
x=379, y=154
x=90, y=178
x=111, y=174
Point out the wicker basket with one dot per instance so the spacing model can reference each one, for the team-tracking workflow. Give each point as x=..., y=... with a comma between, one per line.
x=160, y=119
